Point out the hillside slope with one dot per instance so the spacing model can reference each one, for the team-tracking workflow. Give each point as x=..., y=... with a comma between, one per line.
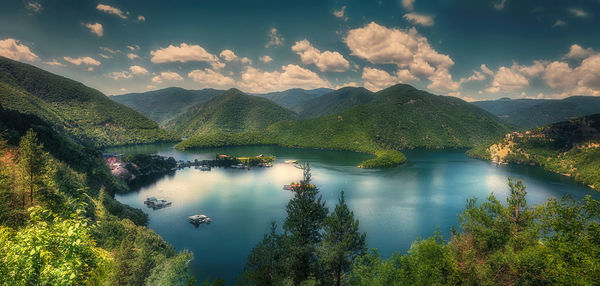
x=81, y=112
x=295, y=98
x=531, y=113
x=336, y=101
x=401, y=117
x=164, y=104
x=231, y=112
x=571, y=148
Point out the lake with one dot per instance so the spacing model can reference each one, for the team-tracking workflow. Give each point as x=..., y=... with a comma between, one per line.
x=395, y=206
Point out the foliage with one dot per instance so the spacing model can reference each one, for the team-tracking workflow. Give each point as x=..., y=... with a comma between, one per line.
x=265, y=264
x=385, y=159
x=77, y=111
x=144, y=164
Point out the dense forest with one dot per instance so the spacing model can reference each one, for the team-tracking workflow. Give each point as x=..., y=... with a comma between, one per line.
x=511, y=243
x=77, y=111
x=570, y=148
x=59, y=223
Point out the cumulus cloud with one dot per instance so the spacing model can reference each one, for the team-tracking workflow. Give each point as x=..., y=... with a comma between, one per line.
x=559, y=23
x=419, y=19
x=476, y=76
x=111, y=10
x=228, y=55
x=132, y=56
x=120, y=75
x=275, y=39
x=290, y=76
x=184, y=53
x=340, y=13
x=265, y=59
x=14, y=49
x=54, y=62
x=33, y=6
x=138, y=70
x=109, y=50
x=405, y=49
x=408, y=4
x=211, y=78
x=577, y=52
x=82, y=61
x=134, y=48
x=557, y=76
x=325, y=61
x=95, y=28
x=500, y=5
x=141, y=18
x=166, y=76
x=578, y=12
x=507, y=79
x=376, y=79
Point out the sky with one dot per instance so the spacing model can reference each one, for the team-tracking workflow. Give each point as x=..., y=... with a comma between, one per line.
x=471, y=49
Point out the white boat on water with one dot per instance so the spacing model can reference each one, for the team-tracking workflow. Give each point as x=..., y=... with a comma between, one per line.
x=199, y=219
x=291, y=162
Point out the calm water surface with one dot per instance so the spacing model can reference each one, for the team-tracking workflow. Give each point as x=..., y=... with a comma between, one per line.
x=394, y=206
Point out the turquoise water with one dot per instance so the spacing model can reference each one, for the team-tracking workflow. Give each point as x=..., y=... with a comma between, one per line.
x=394, y=206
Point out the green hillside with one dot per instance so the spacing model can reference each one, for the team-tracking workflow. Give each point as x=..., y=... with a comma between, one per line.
x=401, y=117
x=571, y=148
x=294, y=98
x=531, y=113
x=336, y=101
x=81, y=112
x=231, y=112
x=164, y=104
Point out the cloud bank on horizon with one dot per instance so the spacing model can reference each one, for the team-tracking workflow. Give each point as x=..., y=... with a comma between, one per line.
x=470, y=49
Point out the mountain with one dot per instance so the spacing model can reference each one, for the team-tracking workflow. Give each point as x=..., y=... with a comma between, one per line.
x=530, y=113
x=82, y=113
x=231, y=112
x=336, y=101
x=164, y=104
x=570, y=148
x=294, y=98
x=399, y=117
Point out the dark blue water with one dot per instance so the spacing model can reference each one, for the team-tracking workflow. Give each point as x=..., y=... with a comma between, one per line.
x=394, y=206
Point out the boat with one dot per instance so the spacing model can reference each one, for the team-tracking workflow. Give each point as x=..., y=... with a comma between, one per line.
x=265, y=165
x=239, y=166
x=199, y=219
x=155, y=203
x=291, y=162
x=204, y=168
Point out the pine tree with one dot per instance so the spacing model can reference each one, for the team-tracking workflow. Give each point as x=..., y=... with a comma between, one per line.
x=265, y=262
x=342, y=241
x=305, y=215
x=32, y=164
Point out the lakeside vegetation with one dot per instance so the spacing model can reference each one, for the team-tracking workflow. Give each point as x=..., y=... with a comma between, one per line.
x=82, y=113
x=498, y=243
x=569, y=148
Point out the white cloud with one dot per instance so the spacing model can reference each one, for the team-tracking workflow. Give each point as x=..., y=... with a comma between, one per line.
x=347, y=84
x=326, y=61
x=275, y=39
x=54, y=62
x=134, y=48
x=559, y=23
x=408, y=4
x=95, y=28
x=578, y=12
x=290, y=76
x=486, y=70
x=211, y=78
x=246, y=61
x=265, y=59
x=108, y=50
x=507, y=79
x=182, y=53
x=13, y=49
x=120, y=75
x=138, y=70
x=166, y=76
x=559, y=75
x=82, y=61
x=441, y=81
x=530, y=71
x=577, y=52
x=141, y=18
x=33, y=6
x=132, y=56
x=476, y=76
x=228, y=55
x=376, y=79
x=111, y=10
x=90, y=69
x=105, y=56
x=340, y=13
x=500, y=5
x=419, y=19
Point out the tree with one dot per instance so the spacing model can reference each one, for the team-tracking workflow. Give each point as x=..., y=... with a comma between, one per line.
x=32, y=163
x=342, y=241
x=265, y=262
x=305, y=215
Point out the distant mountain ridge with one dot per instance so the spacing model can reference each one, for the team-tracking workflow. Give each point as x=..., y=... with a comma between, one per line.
x=336, y=101
x=531, y=113
x=295, y=98
x=82, y=113
x=230, y=112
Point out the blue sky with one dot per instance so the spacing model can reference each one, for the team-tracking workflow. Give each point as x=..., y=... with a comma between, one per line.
x=479, y=49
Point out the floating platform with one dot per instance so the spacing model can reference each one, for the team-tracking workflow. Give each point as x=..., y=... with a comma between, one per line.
x=199, y=219
x=155, y=203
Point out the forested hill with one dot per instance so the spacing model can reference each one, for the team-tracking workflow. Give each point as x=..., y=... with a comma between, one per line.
x=531, y=113
x=164, y=104
x=570, y=148
x=80, y=112
x=231, y=112
x=294, y=98
x=336, y=101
